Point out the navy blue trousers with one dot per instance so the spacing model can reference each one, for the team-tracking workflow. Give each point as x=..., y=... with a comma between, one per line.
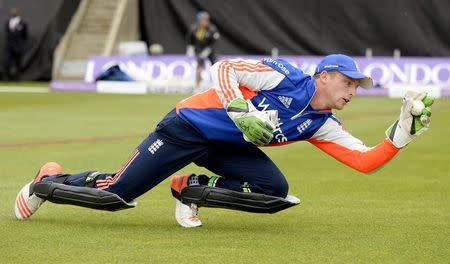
x=173, y=145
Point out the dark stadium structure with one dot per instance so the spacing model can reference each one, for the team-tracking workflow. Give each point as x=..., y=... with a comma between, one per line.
x=416, y=28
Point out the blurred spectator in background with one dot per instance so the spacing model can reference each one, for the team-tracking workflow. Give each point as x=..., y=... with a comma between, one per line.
x=16, y=36
x=200, y=43
x=156, y=49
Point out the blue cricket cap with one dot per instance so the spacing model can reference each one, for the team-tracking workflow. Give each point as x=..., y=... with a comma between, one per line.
x=345, y=65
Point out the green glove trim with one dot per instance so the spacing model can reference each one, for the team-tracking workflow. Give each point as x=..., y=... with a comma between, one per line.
x=254, y=129
x=427, y=101
x=424, y=119
x=238, y=105
x=250, y=122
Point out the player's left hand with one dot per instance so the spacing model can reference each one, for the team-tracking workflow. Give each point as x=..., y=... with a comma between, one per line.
x=256, y=126
x=410, y=126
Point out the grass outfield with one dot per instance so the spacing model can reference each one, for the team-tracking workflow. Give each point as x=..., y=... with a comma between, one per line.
x=400, y=214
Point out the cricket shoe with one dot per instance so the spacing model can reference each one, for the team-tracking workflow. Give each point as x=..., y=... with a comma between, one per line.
x=186, y=215
x=27, y=202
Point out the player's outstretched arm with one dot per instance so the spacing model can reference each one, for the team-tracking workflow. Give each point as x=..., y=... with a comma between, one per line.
x=338, y=143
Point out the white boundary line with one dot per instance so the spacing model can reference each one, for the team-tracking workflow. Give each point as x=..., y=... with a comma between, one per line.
x=21, y=89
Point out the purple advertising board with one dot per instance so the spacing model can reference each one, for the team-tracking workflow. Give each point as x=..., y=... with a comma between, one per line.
x=387, y=72
x=384, y=70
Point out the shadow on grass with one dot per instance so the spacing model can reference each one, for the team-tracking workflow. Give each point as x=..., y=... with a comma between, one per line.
x=138, y=224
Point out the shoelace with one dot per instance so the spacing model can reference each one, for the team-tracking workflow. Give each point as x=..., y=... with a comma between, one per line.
x=194, y=209
x=36, y=202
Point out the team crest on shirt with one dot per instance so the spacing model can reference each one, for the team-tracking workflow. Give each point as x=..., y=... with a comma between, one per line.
x=303, y=126
x=286, y=101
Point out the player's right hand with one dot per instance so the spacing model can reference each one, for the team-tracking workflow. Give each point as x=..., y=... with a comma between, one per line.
x=408, y=126
x=256, y=126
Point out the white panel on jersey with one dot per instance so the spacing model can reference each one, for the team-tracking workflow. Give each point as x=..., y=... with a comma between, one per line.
x=260, y=80
x=236, y=74
x=332, y=131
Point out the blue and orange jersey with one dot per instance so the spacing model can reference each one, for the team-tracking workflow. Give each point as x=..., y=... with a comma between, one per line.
x=277, y=85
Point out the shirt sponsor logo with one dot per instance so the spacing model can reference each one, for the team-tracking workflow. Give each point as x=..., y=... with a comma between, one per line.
x=263, y=104
x=278, y=65
x=278, y=132
x=279, y=136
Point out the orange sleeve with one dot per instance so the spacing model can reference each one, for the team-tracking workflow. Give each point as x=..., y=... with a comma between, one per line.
x=365, y=162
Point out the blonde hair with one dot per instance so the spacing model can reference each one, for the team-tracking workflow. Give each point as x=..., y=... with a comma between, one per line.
x=329, y=72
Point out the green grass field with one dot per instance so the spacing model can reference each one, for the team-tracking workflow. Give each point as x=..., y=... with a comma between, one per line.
x=400, y=214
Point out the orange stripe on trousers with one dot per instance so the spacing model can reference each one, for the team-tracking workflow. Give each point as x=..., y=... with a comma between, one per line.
x=103, y=184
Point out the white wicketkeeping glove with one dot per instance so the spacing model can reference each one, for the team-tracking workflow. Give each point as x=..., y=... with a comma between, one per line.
x=409, y=126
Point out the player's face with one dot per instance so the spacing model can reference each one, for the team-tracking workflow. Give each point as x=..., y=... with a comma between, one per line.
x=14, y=12
x=341, y=89
x=204, y=22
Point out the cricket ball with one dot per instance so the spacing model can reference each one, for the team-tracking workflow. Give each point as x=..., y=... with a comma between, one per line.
x=417, y=108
